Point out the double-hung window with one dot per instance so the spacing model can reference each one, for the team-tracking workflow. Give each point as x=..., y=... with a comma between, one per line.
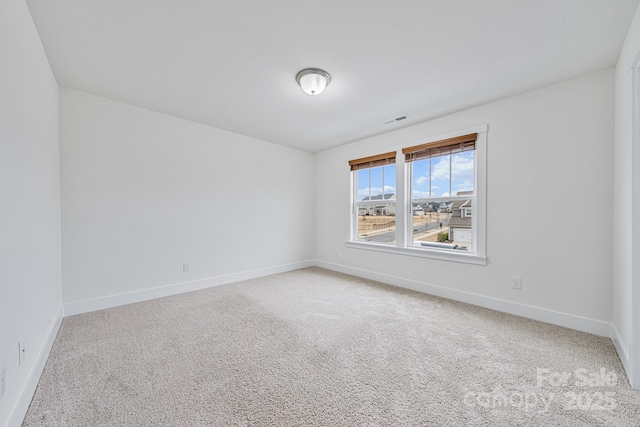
x=375, y=193
x=442, y=193
x=430, y=203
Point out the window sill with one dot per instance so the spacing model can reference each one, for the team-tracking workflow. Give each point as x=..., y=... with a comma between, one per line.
x=443, y=255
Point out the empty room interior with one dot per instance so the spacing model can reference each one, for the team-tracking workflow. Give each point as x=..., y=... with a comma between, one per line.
x=342, y=213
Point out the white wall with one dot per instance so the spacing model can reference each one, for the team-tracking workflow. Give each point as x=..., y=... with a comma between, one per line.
x=30, y=286
x=143, y=191
x=549, y=202
x=622, y=189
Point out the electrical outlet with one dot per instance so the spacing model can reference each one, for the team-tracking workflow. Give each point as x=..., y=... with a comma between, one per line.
x=186, y=267
x=3, y=381
x=516, y=283
x=22, y=352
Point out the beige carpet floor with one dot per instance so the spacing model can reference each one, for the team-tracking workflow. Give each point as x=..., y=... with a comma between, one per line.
x=317, y=348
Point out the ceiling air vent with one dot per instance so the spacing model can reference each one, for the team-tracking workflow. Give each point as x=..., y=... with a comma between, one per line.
x=397, y=119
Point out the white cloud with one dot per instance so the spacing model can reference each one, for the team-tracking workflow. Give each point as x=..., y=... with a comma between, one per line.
x=466, y=185
x=441, y=169
x=422, y=180
x=461, y=166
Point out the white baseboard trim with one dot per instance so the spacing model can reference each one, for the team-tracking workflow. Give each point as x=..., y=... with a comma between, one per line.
x=622, y=349
x=22, y=405
x=85, y=306
x=583, y=324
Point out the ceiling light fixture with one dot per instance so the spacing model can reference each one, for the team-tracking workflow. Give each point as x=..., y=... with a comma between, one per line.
x=313, y=80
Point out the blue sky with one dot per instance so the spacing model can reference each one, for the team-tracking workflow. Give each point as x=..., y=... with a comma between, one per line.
x=438, y=170
x=435, y=171
x=378, y=175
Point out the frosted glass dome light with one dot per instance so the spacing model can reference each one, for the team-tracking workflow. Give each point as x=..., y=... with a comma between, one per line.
x=313, y=80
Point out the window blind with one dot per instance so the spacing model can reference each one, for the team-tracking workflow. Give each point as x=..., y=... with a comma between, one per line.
x=440, y=148
x=373, y=161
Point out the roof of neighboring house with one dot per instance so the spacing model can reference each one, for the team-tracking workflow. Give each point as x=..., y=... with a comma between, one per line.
x=458, y=222
x=464, y=193
x=461, y=203
x=380, y=197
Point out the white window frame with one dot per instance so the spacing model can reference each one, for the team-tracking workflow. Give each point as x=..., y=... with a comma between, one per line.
x=404, y=233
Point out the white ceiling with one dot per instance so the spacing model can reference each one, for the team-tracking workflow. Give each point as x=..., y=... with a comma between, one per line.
x=232, y=64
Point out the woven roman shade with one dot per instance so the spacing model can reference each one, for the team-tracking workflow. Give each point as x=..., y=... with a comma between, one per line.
x=440, y=148
x=373, y=161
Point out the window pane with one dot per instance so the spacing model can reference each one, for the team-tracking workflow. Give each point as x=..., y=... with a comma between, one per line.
x=443, y=224
x=376, y=204
x=439, y=223
x=430, y=221
x=459, y=226
x=376, y=181
x=421, y=178
x=390, y=179
x=363, y=183
x=462, y=172
x=440, y=182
